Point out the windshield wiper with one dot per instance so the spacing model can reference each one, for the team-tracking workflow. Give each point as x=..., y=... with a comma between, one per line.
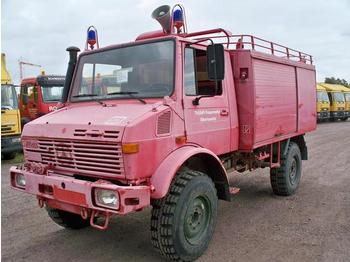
x=85, y=95
x=130, y=93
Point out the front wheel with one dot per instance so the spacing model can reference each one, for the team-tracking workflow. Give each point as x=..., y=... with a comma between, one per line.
x=285, y=179
x=8, y=156
x=67, y=219
x=183, y=221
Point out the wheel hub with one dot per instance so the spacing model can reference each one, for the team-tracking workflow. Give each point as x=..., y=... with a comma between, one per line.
x=293, y=172
x=197, y=219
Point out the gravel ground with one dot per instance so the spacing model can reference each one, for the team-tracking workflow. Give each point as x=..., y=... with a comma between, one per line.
x=312, y=225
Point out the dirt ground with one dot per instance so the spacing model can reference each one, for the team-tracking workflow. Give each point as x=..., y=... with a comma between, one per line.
x=312, y=225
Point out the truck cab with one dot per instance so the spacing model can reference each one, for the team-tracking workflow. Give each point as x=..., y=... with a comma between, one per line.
x=39, y=96
x=10, y=115
x=323, y=104
x=337, y=101
x=346, y=92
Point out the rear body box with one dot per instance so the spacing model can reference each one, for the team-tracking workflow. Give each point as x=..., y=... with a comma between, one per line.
x=277, y=100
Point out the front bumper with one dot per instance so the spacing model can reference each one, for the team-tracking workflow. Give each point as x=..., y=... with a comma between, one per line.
x=77, y=196
x=339, y=114
x=323, y=115
x=11, y=144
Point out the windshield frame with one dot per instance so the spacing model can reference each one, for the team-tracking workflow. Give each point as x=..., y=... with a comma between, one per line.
x=14, y=94
x=120, y=46
x=323, y=94
x=42, y=87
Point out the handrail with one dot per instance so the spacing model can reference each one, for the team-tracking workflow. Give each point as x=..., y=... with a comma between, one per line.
x=227, y=33
x=255, y=43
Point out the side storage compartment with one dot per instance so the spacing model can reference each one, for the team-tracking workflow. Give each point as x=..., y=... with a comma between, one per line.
x=276, y=97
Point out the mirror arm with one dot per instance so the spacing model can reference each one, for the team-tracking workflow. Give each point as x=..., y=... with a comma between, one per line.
x=195, y=101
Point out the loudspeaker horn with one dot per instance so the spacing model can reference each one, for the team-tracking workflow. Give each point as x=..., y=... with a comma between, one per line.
x=162, y=15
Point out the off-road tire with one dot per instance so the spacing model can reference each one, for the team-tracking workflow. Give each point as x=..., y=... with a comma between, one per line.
x=173, y=225
x=344, y=119
x=67, y=219
x=8, y=156
x=285, y=179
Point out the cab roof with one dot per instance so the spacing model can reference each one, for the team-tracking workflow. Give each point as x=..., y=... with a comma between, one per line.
x=334, y=87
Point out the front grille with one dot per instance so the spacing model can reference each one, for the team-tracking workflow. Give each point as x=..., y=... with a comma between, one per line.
x=94, y=158
x=7, y=129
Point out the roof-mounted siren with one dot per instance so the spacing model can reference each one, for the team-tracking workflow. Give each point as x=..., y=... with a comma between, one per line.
x=91, y=38
x=171, y=19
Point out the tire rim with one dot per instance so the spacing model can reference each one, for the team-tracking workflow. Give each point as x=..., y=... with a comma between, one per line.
x=197, y=219
x=293, y=171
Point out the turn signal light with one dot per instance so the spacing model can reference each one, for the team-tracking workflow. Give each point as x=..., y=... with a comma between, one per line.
x=130, y=148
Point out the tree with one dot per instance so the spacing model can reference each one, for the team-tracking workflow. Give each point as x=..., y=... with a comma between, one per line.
x=338, y=81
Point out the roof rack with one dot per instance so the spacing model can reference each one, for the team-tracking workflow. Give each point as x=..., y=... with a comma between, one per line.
x=234, y=42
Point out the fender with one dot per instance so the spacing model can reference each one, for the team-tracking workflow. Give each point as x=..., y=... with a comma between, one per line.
x=166, y=171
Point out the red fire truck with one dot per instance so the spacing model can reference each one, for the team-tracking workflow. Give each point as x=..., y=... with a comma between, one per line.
x=160, y=122
x=39, y=96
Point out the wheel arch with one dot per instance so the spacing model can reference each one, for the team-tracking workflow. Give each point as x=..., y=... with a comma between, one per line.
x=196, y=158
x=300, y=141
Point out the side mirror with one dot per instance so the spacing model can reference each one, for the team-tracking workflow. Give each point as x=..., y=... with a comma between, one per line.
x=216, y=62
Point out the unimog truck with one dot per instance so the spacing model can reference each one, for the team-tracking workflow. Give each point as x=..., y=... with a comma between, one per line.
x=161, y=121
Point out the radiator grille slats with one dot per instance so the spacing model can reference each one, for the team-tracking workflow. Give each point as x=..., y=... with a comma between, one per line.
x=93, y=158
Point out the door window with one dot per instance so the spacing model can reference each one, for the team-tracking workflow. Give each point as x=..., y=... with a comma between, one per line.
x=196, y=75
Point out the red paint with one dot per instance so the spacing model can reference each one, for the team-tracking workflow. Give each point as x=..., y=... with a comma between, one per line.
x=265, y=99
x=37, y=102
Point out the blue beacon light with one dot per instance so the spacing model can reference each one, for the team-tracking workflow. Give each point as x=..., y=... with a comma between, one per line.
x=91, y=38
x=178, y=19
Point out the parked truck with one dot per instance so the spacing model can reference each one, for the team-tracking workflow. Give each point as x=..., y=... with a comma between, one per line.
x=337, y=101
x=39, y=96
x=160, y=122
x=10, y=115
x=323, y=104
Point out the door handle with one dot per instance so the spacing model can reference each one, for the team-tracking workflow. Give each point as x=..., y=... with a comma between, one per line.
x=224, y=112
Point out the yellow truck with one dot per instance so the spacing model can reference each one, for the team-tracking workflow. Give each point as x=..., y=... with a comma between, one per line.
x=10, y=116
x=323, y=103
x=346, y=92
x=337, y=101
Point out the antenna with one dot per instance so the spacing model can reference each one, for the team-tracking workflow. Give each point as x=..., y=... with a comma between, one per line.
x=21, y=64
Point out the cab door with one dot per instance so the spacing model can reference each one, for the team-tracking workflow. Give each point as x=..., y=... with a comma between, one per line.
x=30, y=100
x=208, y=123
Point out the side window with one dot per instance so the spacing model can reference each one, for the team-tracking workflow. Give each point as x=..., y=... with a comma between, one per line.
x=196, y=74
x=190, y=76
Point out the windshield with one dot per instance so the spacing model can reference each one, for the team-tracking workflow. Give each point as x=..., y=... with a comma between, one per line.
x=347, y=97
x=138, y=71
x=338, y=96
x=322, y=96
x=8, y=97
x=52, y=93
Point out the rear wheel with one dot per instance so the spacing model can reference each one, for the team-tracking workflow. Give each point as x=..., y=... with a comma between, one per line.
x=183, y=221
x=285, y=179
x=67, y=219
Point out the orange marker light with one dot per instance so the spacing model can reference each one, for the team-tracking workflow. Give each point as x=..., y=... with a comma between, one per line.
x=180, y=139
x=130, y=148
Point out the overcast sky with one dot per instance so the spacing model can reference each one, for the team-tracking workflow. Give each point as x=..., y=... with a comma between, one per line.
x=38, y=31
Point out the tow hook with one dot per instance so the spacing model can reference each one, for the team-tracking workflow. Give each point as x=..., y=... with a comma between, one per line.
x=84, y=213
x=41, y=202
x=95, y=214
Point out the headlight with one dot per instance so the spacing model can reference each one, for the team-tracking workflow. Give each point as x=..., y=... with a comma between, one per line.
x=20, y=180
x=16, y=140
x=107, y=198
